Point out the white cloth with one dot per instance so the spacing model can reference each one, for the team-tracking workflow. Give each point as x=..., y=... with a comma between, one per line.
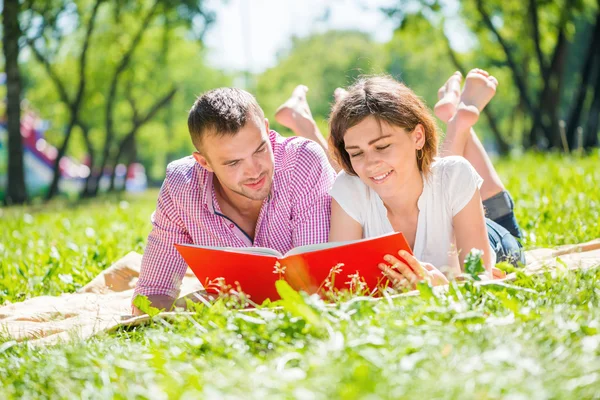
x=446, y=191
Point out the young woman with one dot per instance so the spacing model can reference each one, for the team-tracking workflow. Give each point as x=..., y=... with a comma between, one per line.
x=386, y=141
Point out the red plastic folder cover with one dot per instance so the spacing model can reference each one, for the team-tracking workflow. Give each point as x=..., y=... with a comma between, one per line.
x=253, y=269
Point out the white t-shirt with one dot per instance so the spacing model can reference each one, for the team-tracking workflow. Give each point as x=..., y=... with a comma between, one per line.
x=449, y=187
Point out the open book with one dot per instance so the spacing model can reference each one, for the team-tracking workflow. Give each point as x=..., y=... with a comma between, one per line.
x=255, y=269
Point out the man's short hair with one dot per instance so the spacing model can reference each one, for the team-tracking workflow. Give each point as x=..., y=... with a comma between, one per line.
x=222, y=111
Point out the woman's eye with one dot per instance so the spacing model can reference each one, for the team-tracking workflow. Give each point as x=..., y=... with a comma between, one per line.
x=233, y=164
x=356, y=155
x=382, y=147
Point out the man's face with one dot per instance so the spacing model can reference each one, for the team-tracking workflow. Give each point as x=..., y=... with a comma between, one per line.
x=243, y=163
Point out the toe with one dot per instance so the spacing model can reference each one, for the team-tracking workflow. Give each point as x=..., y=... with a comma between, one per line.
x=300, y=91
x=441, y=92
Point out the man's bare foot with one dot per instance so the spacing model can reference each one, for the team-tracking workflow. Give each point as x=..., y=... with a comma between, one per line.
x=295, y=112
x=479, y=89
x=339, y=94
x=449, y=96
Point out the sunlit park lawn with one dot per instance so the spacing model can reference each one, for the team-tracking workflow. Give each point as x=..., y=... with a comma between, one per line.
x=538, y=338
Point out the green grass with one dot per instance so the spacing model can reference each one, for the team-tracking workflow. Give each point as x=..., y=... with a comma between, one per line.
x=539, y=338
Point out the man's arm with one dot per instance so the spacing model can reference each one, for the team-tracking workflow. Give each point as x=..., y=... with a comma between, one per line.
x=162, y=267
x=311, y=212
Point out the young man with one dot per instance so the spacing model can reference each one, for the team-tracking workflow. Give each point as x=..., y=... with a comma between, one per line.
x=244, y=186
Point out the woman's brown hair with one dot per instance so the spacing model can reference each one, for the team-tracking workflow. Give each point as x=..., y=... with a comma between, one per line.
x=387, y=100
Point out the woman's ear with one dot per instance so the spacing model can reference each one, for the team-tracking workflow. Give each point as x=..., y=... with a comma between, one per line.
x=418, y=135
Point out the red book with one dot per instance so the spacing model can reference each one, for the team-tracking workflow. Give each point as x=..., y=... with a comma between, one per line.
x=255, y=270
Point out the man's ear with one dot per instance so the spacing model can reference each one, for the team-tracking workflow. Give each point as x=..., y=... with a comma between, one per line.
x=418, y=135
x=200, y=159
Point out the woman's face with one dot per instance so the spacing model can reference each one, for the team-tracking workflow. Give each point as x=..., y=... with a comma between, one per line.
x=382, y=155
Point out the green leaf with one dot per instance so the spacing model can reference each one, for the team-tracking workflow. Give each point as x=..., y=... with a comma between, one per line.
x=506, y=267
x=426, y=290
x=474, y=264
x=293, y=302
x=144, y=305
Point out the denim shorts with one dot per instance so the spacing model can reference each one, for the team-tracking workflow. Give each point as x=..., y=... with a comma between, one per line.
x=503, y=229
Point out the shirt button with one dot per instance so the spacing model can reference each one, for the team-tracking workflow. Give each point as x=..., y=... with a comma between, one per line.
x=231, y=226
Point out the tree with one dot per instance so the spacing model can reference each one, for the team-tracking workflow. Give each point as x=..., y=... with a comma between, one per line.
x=73, y=103
x=534, y=50
x=16, y=192
x=97, y=94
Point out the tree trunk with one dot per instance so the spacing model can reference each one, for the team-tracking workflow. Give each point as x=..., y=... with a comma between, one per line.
x=582, y=88
x=74, y=106
x=123, y=148
x=591, y=131
x=53, y=190
x=112, y=93
x=552, y=103
x=518, y=77
x=545, y=119
x=16, y=193
x=85, y=130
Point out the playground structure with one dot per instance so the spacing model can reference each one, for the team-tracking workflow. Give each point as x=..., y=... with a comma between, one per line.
x=39, y=157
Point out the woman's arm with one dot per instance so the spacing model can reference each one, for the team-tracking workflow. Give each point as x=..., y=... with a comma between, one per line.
x=343, y=227
x=471, y=233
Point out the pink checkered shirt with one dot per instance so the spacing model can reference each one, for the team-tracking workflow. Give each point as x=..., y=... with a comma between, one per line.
x=296, y=212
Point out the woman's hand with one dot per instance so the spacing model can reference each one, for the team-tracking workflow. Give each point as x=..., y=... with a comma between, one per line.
x=405, y=275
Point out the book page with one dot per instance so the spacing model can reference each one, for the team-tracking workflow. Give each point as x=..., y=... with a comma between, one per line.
x=321, y=246
x=257, y=251
x=314, y=247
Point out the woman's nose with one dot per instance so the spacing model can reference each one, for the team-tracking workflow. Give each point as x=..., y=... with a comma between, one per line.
x=371, y=160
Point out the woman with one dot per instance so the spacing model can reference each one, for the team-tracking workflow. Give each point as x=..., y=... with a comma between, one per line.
x=385, y=139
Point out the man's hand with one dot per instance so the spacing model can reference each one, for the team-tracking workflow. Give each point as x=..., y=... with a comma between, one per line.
x=161, y=302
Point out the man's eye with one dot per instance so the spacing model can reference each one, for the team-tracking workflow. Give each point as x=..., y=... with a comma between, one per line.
x=382, y=147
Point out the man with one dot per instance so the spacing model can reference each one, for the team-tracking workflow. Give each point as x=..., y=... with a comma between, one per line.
x=244, y=186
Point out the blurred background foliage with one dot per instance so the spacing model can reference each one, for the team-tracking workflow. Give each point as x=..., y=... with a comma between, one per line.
x=115, y=78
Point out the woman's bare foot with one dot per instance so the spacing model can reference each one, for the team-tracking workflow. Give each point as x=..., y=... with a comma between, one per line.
x=295, y=112
x=339, y=94
x=449, y=96
x=479, y=89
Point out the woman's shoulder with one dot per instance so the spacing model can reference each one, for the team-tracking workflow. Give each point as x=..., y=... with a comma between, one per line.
x=344, y=179
x=450, y=163
x=456, y=180
x=349, y=189
x=452, y=168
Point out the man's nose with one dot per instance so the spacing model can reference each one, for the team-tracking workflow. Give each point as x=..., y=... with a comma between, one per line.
x=254, y=169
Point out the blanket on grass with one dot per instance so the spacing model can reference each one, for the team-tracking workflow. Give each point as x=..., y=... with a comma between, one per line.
x=104, y=304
